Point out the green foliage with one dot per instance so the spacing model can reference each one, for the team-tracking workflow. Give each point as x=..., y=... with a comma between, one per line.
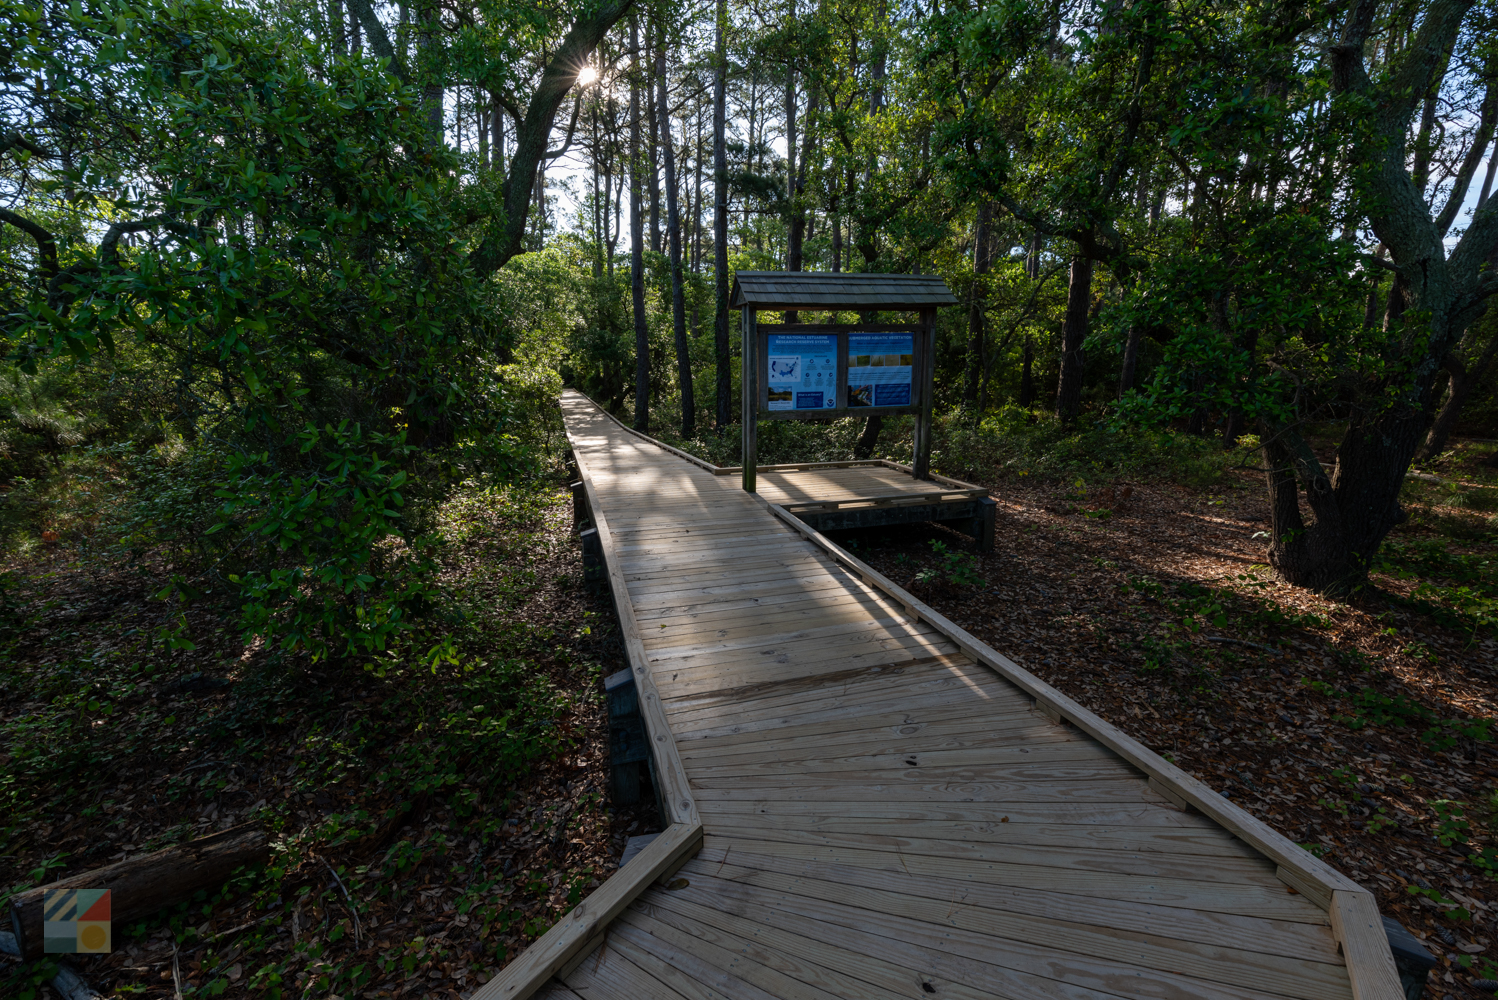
x=1449, y=908
x=335, y=526
x=463, y=737
x=957, y=568
x=1370, y=707
x=1459, y=589
x=1016, y=442
x=1196, y=607
x=278, y=244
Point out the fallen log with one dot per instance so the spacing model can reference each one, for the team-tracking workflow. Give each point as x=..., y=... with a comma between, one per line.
x=141, y=886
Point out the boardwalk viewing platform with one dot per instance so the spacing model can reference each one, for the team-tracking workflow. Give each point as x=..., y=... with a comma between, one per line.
x=866, y=802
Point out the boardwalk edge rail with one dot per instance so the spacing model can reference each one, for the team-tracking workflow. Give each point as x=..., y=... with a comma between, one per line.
x=584, y=927
x=1352, y=910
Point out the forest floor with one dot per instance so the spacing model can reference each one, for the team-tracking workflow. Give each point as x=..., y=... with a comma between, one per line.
x=463, y=808
x=1361, y=729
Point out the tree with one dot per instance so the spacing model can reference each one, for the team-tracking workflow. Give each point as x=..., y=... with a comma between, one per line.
x=1437, y=295
x=721, y=354
x=637, y=238
x=673, y=239
x=281, y=233
x=504, y=219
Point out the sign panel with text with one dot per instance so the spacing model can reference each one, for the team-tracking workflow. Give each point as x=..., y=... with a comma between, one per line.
x=881, y=369
x=801, y=371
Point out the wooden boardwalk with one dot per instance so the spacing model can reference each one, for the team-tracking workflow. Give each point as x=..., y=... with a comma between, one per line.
x=890, y=809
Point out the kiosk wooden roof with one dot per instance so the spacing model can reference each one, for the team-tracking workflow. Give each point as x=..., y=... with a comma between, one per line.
x=818, y=290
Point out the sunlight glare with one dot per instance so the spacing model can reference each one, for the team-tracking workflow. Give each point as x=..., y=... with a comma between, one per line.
x=586, y=75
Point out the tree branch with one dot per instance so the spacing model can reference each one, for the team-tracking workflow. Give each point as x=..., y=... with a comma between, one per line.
x=379, y=40
x=1348, y=71
x=46, y=243
x=16, y=139
x=577, y=104
x=1373, y=260
x=506, y=233
x=1477, y=244
x=1424, y=59
x=1472, y=160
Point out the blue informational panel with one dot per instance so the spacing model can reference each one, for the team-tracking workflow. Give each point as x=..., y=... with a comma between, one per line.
x=801, y=371
x=881, y=369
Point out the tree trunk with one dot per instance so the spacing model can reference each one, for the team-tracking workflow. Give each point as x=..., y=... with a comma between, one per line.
x=976, y=307
x=697, y=198
x=431, y=90
x=673, y=238
x=600, y=210
x=837, y=236
x=1487, y=180
x=1027, y=374
x=863, y=448
x=720, y=224
x=637, y=240
x=655, y=143
x=796, y=223
x=1130, y=359
x=497, y=138
x=1073, y=335
x=140, y=887
x=335, y=26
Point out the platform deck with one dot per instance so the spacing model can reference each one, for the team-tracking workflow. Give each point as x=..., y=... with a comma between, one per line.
x=887, y=814
x=830, y=486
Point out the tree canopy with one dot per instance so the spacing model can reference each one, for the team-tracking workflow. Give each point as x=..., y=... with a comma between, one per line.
x=341, y=255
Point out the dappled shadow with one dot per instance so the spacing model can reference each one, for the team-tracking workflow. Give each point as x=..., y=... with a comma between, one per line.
x=1161, y=618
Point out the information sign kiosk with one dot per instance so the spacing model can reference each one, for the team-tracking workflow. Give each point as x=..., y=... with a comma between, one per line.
x=802, y=371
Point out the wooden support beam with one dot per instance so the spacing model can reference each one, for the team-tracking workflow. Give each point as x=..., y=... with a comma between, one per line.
x=750, y=382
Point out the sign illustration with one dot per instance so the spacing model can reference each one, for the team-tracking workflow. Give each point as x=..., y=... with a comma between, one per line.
x=801, y=371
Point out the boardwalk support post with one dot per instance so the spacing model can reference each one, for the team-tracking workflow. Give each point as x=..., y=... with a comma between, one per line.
x=580, y=518
x=629, y=747
x=595, y=573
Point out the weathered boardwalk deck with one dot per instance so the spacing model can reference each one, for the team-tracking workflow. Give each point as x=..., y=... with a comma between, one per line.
x=888, y=808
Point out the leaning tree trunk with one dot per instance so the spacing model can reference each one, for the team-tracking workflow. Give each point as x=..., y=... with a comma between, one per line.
x=1073, y=335
x=864, y=447
x=141, y=886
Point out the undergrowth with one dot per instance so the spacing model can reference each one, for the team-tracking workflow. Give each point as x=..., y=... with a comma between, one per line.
x=374, y=776
x=1010, y=442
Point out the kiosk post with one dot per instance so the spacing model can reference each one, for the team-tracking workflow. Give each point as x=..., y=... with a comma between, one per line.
x=750, y=384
